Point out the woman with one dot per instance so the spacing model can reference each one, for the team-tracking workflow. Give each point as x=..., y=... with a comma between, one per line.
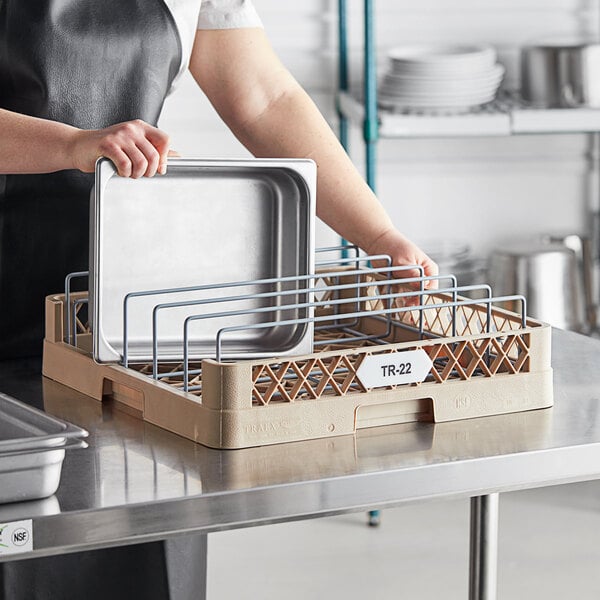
x=81, y=79
x=84, y=80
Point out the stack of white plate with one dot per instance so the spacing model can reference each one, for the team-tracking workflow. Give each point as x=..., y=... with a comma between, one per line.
x=440, y=78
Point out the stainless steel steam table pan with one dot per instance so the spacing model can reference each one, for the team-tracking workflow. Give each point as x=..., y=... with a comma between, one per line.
x=23, y=428
x=205, y=222
x=32, y=449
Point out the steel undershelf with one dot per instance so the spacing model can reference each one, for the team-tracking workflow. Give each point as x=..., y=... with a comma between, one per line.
x=138, y=483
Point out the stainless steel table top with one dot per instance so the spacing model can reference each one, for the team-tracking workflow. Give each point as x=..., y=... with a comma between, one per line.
x=137, y=482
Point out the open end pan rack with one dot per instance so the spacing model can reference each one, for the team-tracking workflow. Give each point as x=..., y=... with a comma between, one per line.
x=482, y=359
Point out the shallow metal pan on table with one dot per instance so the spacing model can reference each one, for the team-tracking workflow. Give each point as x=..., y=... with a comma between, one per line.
x=204, y=222
x=23, y=428
x=32, y=449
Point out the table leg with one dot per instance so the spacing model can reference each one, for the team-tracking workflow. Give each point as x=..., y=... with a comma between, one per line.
x=186, y=561
x=483, y=560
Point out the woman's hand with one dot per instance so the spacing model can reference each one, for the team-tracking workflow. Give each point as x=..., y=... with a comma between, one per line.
x=32, y=145
x=403, y=252
x=136, y=148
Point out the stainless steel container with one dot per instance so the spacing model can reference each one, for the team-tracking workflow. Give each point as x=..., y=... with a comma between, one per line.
x=547, y=275
x=206, y=222
x=561, y=75
x=32, y=449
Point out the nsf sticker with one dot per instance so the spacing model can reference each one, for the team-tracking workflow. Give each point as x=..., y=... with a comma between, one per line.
x=16, y=537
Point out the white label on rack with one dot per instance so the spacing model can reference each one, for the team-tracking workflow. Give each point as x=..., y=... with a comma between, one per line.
x=380, y=370
x=16, y=537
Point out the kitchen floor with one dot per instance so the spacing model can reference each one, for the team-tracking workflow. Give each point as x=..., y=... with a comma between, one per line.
x=549, y=548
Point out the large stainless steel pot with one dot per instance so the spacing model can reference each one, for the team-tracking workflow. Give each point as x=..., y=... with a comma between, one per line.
x=561, y=75
x=546, y=274
x=555, y=273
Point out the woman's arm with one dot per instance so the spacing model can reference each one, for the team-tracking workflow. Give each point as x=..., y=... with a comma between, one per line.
x=32, y=145
x=272, y=115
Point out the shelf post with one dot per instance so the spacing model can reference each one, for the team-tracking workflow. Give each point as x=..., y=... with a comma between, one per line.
x=371, y=123
x=343, y=79
x=370, y=126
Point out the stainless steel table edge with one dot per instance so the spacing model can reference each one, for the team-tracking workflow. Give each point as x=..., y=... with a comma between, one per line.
x=212, y=512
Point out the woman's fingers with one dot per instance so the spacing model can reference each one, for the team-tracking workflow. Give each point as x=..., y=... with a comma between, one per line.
x=122, y=162
x=139, y=161
x=431, y=270
x=136, y=148
x=160, y=140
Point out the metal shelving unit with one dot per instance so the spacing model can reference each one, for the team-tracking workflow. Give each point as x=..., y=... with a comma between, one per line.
x=507, y=115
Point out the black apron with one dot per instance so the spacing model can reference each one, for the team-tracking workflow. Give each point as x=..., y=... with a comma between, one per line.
x=88, y=63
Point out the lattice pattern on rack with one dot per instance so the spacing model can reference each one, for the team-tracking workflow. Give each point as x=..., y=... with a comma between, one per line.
x=172, y=373
x=437, y=321
x=306, y=379
x=81, y=317
x=483, y=357
x=294, y=380
x=470, y=320
x=331, y=371
x=335, y=375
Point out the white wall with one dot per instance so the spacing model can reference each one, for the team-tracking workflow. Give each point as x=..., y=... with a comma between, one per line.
x=478, y=190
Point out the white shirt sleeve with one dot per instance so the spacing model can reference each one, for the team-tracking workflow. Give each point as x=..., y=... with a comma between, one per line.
x=228, y=14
